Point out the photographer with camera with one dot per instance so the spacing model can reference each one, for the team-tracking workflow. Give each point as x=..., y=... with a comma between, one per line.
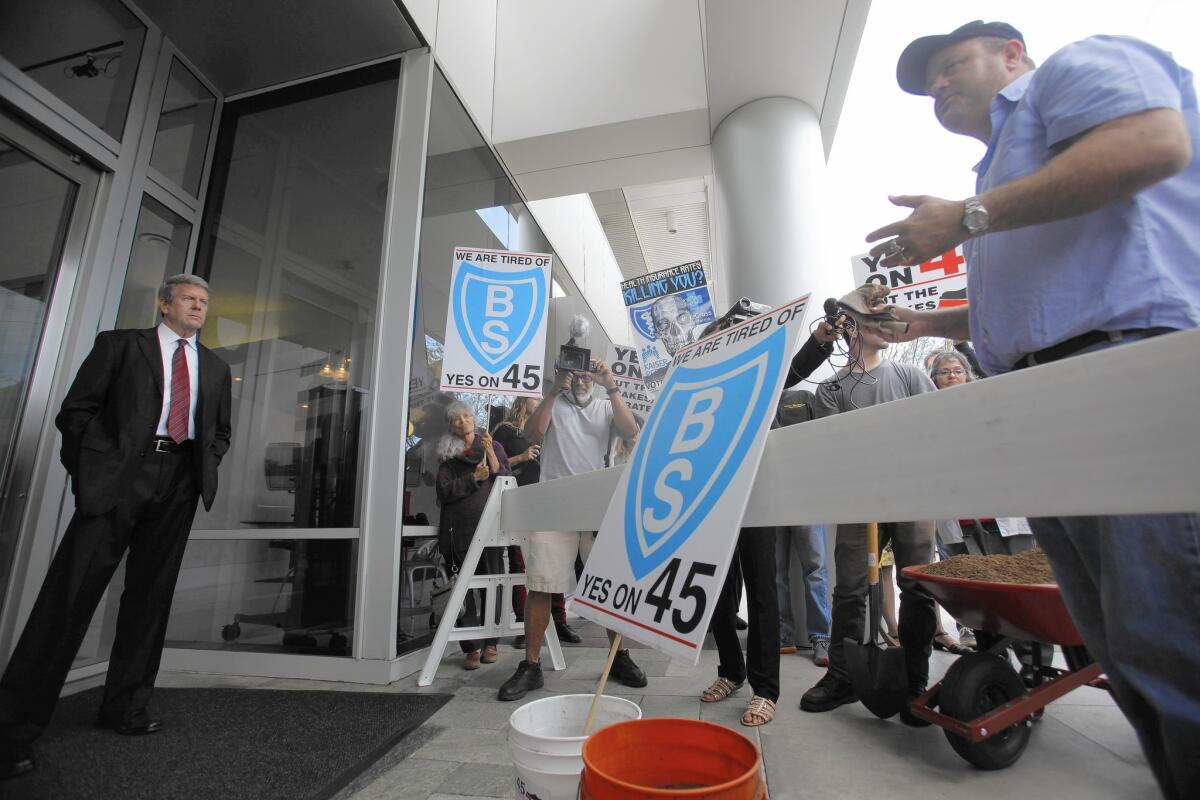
x=574, y=428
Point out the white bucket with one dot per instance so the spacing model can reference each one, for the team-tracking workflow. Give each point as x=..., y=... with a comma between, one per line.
x=546, y=743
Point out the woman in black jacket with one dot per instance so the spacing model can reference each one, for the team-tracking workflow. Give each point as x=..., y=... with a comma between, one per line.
x=469, y=461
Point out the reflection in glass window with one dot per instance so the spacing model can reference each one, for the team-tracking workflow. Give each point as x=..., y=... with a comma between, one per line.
x=291, y=245
x=266, y=595
x=85, y=52
x=159, y=250
x=500, y=221
x=469, y=202
x=183, y=127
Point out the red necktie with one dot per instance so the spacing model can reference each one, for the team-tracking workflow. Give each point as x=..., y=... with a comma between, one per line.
x=181, y=396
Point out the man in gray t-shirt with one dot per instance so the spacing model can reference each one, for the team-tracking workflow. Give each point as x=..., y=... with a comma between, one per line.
x=872, y=380
x=864, y=386
x=578, y=433
x=574, y=427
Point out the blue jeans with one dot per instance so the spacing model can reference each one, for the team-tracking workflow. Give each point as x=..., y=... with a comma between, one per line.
x=808, y=542
x=1132, y=585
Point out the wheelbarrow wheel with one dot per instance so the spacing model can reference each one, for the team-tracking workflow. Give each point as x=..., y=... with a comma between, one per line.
x=976, y=684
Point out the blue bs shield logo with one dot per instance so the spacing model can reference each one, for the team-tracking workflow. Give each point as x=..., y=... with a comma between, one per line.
x=643, y=321
x=497, y=313
x=695, y=440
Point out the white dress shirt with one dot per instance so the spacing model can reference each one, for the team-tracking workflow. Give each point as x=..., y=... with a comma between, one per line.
x=168, y=341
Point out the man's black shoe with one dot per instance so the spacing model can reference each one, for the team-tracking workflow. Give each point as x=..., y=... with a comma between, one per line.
x=16, y=759
x=906, y=716
x=136, y=724
x=566, y=633
x=829, y=693
x=519, y=642
x=527, y=677
x=627, y=672
x=742, y=624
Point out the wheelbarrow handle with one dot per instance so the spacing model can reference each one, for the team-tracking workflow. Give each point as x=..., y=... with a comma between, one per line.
x=873, y=556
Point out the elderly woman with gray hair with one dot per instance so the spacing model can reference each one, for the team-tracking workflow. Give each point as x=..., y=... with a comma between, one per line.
x=468, y=463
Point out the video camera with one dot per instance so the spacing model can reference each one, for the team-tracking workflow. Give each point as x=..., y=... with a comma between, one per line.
x=740, y=311
x=574, y=359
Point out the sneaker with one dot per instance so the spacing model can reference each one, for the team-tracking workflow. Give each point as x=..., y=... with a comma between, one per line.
x=527, y=677
x=566, y=633
x=489, y=654
x=473, y=660
x=627, y=672
x=787, y=649
x=966, y=637
x=820, y=652
x=829, y=693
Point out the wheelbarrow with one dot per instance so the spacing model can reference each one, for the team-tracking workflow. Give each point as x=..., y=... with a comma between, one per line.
x=987, y=708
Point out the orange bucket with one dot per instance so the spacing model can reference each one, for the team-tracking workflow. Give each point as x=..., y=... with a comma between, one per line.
x=670, y=758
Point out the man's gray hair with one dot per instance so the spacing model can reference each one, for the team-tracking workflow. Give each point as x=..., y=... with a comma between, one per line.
x=166, y=292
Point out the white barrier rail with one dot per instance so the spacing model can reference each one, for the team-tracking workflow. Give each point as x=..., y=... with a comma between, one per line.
x=1112, y=432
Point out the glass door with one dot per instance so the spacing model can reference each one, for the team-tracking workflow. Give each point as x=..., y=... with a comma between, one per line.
x=46, y=198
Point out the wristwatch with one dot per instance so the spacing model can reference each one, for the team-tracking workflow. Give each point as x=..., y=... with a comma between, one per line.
x=975, y=217
x=613, y=389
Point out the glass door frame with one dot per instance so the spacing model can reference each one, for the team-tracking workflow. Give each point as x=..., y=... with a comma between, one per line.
x=23, y=480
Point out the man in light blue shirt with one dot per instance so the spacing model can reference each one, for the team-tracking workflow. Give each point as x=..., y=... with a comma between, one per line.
x=1085, y=233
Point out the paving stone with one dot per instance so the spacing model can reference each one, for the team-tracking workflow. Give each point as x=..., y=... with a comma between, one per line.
x=468, y=746
x=411, y=779
x=480, y=780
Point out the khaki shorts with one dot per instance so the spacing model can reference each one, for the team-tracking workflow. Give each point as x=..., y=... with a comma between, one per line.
x=550, y=559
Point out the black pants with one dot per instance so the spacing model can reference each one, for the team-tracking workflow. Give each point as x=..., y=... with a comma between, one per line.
x=756, y=557
x=912, y=543
x=491, y=562
x=152, y=522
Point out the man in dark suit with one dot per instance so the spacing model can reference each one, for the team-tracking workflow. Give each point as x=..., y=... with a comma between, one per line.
x=144, y=426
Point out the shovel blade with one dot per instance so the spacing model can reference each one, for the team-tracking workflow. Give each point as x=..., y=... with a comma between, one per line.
x=879, y=677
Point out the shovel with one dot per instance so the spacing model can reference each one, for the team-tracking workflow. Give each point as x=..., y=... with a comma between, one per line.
x=877, y=671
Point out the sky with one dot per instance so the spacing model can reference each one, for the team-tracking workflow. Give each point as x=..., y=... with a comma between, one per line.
x=888, y=142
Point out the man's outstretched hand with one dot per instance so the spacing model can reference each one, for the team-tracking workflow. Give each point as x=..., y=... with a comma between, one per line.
x=934, y=226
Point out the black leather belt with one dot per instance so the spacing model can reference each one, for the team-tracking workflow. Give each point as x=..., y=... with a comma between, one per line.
x=1083, y=341
x=163, y=444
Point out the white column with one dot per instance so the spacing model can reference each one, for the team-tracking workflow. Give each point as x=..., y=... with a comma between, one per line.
x=387, y=421
x=770, y=166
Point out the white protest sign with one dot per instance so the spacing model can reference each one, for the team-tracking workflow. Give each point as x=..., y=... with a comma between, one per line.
x=938, y=283
x=669, y=534
x=627, y=372
x=496, y=322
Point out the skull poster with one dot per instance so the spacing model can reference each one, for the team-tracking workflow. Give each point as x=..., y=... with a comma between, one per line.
x=668, y=309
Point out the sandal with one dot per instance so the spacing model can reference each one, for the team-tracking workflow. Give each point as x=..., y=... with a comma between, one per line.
x=948, y=644
x=720, y=689
x=759, y=712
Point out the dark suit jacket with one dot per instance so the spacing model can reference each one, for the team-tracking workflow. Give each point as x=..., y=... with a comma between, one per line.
x=111, y=413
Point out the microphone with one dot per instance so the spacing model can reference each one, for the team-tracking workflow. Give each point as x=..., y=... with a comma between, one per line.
x=831, y=310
